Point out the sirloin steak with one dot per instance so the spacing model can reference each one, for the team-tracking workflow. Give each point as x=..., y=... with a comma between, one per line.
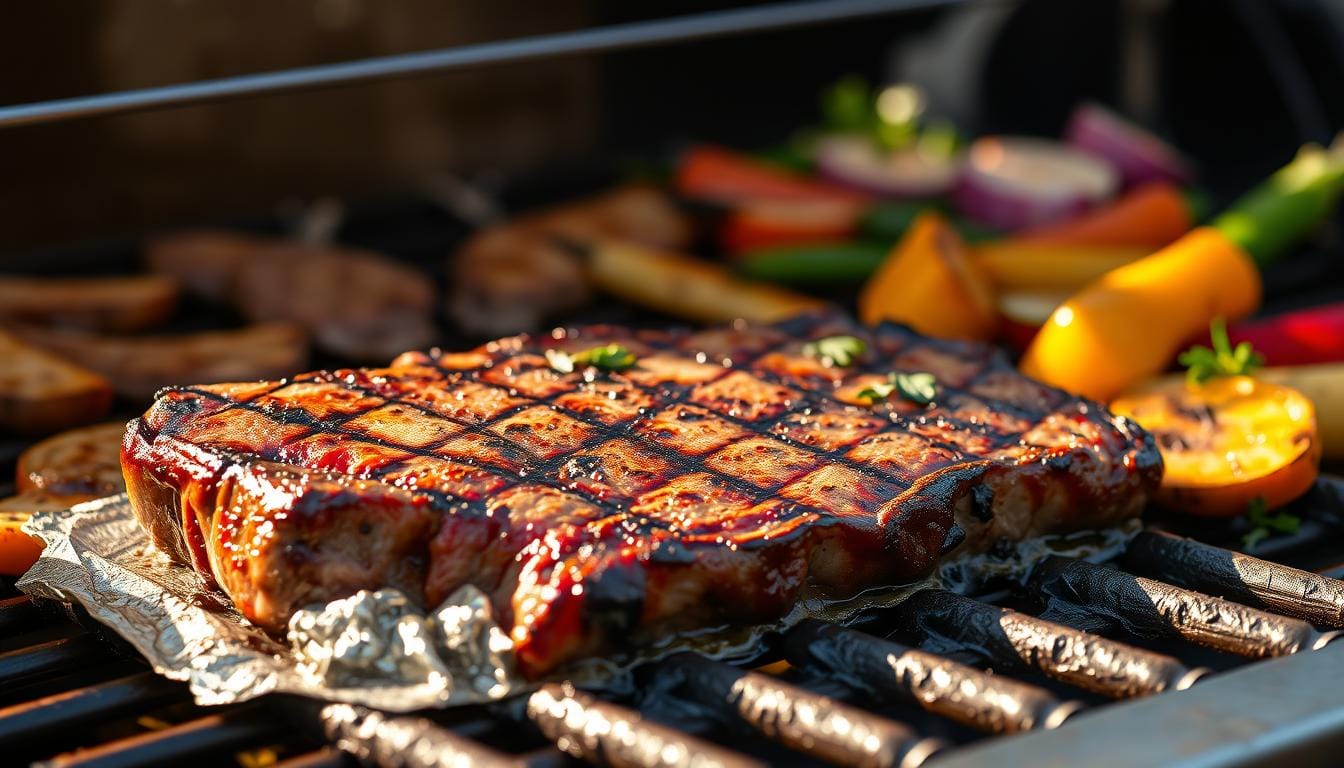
x=708, y=485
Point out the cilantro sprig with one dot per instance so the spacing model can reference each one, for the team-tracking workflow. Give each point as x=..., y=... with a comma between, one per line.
x=1204, y=363
x=836, y=351
x=919, y=388
x=1266, y=524
x=610, y=357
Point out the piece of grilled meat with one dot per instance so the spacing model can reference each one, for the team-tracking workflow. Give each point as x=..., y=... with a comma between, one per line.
x=707, y=485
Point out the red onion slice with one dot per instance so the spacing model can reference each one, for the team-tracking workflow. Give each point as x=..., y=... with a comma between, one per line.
x=1011, y=183
x=1139, y=155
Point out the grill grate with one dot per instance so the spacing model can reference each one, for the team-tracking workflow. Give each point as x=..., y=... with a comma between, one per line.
x=937, y=678
x=957, y=669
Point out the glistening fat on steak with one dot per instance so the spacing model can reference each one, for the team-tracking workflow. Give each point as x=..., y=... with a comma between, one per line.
x=707, y=485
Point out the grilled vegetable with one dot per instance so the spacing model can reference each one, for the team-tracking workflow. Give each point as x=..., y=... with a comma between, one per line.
x=684, y=286
x=828, y=264
x=1138, y=155
x=18, y=550
x=1016, y=266
x=929, y=283
x=1022, y=313
x=1150, y=216
x=721, y=176
x=858, y=162
x=1308, y=336
x=769, y=224
x=1324, y=386
x=1127, y=325
x=1011, y=183
x=99, y=303
x=40, y=392
x=1227, y=442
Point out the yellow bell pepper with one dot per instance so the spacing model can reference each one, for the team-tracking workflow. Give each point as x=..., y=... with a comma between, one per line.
x=1128, y=324
x=1013, y=266
x=929, y=283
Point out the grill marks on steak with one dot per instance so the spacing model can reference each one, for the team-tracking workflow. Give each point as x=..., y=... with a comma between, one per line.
x=707, y=485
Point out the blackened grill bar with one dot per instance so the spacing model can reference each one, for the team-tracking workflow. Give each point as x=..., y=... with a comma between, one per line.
x=808, y=722
x=1098, y=599
x=412, y=742
x=49, y=715
x=945, y=622
x=585, y=726
x=606, y=734
x=1246, y=579
x=961, y=693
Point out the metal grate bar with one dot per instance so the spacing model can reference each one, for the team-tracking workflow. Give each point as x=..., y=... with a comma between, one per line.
x=607, y=734
x=961, y=693
x=20, y=614
x=634, y=35
x=1282, y=589
x=1097, y=599
x=1278, y=712
x=945, y=622
x=375, y=738
x=321, y=758
x=174, y=745
x=808, y=722
x=91, y=704
x=49, y=658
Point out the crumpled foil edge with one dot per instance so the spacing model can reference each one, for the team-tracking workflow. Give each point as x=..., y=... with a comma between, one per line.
x=98, y=557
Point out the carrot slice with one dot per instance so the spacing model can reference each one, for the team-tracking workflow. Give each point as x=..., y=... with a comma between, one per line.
x=1151, y=216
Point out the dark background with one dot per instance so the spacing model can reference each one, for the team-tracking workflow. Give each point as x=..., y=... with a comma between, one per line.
x=1237, y=84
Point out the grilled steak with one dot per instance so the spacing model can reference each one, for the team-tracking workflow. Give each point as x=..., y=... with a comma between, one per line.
x=710, y=484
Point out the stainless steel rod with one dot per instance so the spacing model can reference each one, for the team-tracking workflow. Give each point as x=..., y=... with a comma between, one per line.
x=633, y=35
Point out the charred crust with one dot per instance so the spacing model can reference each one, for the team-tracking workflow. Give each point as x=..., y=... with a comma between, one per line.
x=982, y=503
x=955, y=536
x=615, y=599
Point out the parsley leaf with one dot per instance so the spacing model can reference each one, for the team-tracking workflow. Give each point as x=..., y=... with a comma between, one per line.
x=919, y=388
x=1266, y=524
x=836, y=351
x=1203, y=363
x=611, y=357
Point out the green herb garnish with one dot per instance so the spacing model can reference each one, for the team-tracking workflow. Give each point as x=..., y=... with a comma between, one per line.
x=838, y=351
x=1203, y=363
x=1266, y=524
x=919, y=388
x=611, y=357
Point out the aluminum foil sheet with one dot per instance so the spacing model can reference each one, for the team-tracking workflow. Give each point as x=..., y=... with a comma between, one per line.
x=376, y=649
x=373, y=648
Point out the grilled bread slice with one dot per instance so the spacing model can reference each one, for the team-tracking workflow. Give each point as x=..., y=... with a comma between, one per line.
x=80, y=462
x=99, y=303
x=41, y=392
x=140, y=366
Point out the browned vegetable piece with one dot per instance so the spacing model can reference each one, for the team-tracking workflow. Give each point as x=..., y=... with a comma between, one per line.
x=140, y=366
x=509, y=277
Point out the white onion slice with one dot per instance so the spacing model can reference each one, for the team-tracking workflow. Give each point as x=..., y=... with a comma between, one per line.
x=857, y=162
